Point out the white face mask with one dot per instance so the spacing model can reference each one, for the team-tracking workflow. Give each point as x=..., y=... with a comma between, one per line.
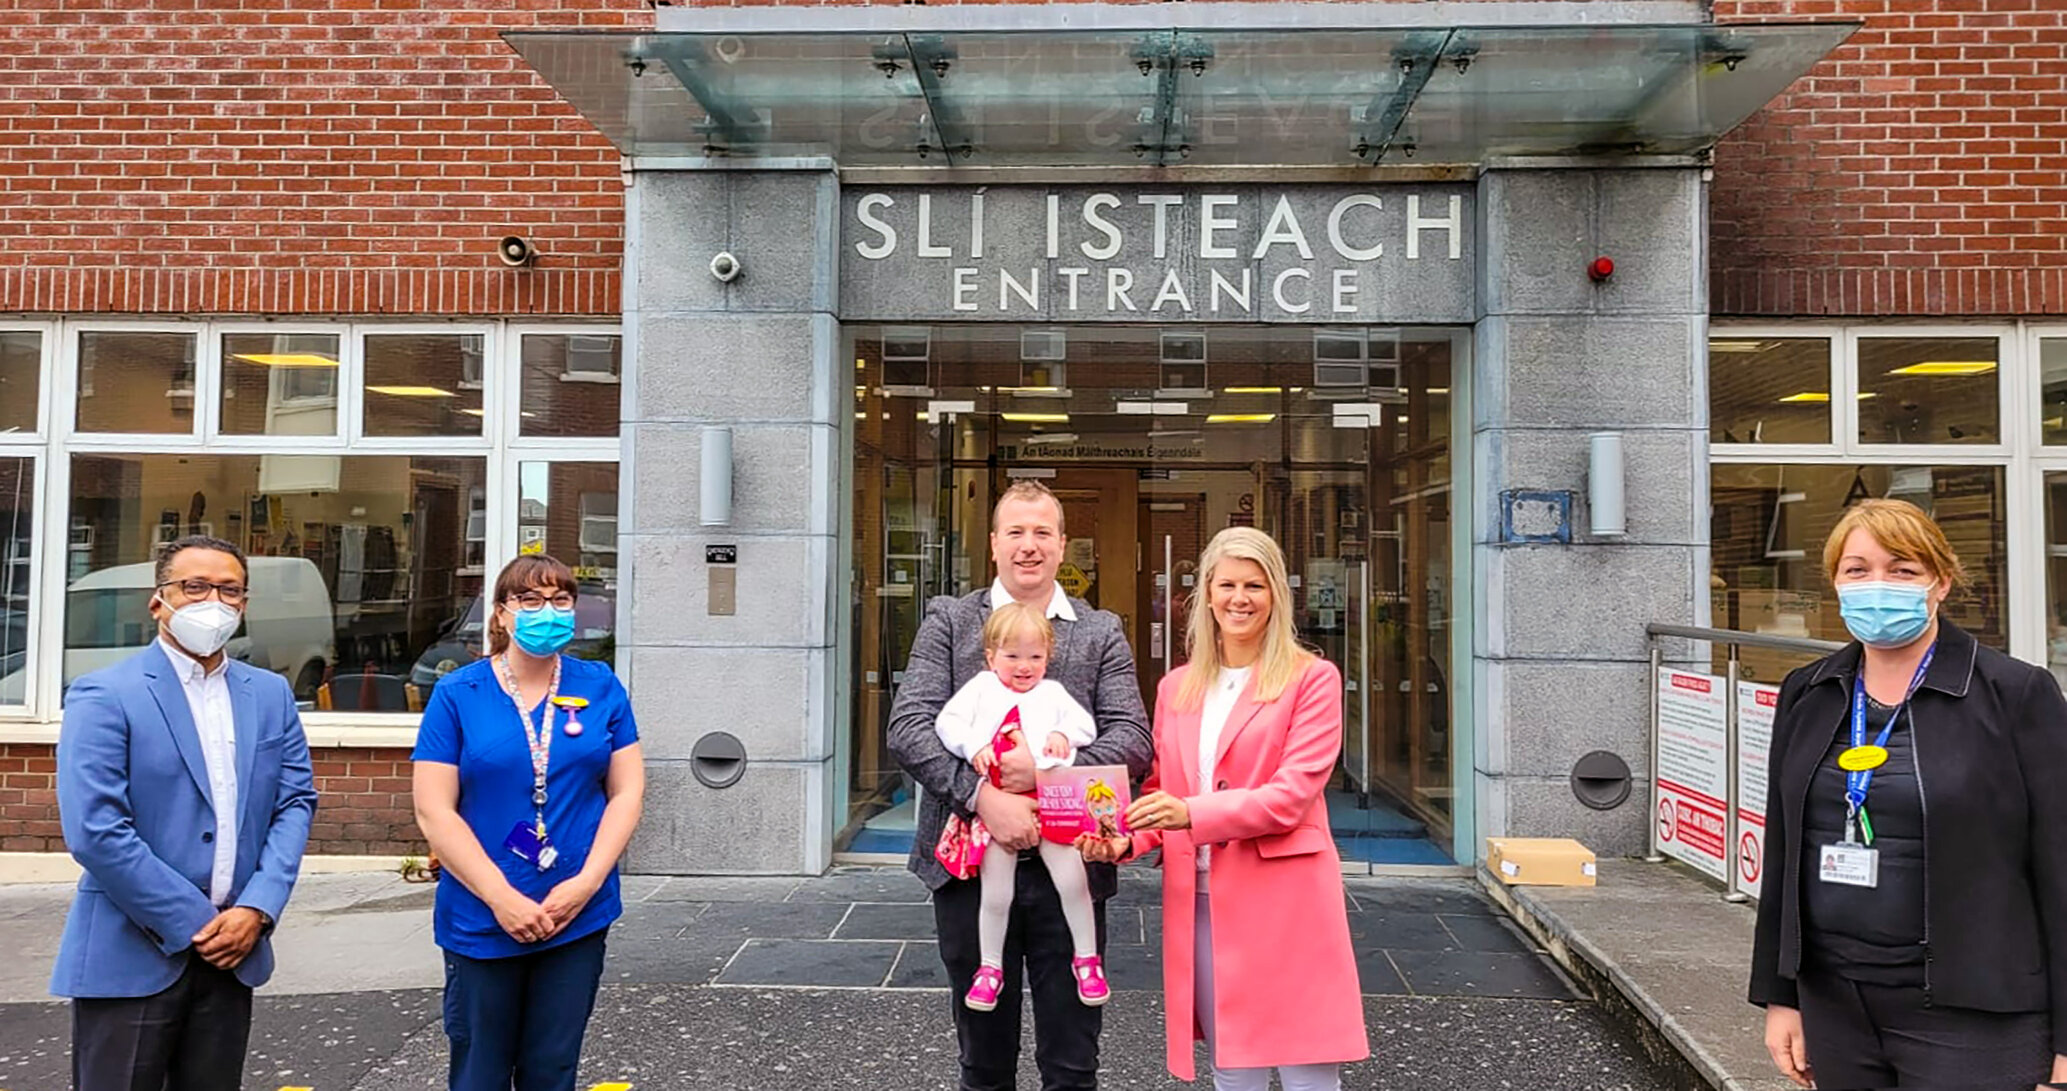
x=203, y=627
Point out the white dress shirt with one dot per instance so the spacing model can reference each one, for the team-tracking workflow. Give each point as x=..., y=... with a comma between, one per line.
x=208, y=699
x=1219, y=705
x=1058, y=603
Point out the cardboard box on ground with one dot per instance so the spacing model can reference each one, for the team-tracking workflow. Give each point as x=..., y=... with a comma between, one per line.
x=1540, y=861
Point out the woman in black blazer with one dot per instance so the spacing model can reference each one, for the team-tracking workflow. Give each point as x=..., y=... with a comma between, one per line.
x=1912, y=923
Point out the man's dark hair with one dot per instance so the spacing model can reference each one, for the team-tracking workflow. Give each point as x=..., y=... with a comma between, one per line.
x=197, y=541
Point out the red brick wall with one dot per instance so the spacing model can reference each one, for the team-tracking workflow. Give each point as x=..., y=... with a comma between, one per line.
x=364, y=806
x=28, y=799
x=298, y=156
x=1921, y=170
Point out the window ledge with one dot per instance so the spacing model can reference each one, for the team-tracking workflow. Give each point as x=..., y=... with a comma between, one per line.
x=321, y=736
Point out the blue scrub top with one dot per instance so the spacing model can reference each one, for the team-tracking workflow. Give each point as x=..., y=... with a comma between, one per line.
x=471, y=723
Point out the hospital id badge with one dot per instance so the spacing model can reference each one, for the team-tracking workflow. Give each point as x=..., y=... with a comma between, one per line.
x=1850, y=865
x=525, y=844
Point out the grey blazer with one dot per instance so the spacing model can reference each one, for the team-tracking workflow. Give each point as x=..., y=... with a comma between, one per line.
x=1091, y=660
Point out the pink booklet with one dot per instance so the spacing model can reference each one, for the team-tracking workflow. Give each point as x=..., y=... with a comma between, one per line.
x=1081, y=799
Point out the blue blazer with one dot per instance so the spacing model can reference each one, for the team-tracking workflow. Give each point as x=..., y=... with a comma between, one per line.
x=132, y=792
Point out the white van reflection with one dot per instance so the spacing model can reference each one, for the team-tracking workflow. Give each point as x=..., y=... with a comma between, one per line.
x=287, y=623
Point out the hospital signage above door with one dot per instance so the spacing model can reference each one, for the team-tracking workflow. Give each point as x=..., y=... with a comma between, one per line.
x=1164, y=255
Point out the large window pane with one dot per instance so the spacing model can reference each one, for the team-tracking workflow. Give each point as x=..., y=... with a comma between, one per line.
x=569, y=510
x=359, y=564
x=136, y=382
x=2052, y=370
x=21, y=373
x=17, y=537
x=1769, y=390
x=424, y=384
x=1929, y=390
x=1770, y=522
x=279, y=384
x=570, y=385
x=2056, y=575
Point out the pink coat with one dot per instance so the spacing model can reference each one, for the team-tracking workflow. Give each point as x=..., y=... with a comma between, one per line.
x=1285, y=973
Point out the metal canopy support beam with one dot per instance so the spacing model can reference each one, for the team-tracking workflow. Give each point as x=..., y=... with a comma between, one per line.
x=1164, y=128
x=1416, y=59
x=932, y=58
x=730, y=125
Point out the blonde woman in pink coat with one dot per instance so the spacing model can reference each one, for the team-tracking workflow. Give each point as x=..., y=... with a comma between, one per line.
x=1257, y=959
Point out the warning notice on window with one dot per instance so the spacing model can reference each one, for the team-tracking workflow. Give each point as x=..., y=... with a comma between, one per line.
x=1693, y=770
x=1756, y=705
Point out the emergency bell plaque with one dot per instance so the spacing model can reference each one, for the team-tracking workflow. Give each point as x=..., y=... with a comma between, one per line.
x=722, y=562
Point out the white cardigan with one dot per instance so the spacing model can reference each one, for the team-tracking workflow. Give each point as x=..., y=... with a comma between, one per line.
x=971, y=718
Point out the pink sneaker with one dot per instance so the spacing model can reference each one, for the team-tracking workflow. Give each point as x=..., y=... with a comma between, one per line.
x=1091, y=986
x=983, y=993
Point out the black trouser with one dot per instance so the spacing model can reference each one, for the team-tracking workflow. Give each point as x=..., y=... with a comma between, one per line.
x=1863, y=1035
x=1065, y=1031
x=190, y=1037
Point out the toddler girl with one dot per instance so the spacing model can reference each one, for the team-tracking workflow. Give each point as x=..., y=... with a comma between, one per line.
x=1005, y=707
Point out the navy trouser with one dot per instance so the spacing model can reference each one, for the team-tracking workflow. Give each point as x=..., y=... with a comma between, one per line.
x=518, y=1022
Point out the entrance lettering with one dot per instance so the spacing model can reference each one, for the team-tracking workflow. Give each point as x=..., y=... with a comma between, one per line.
x=1256, y=252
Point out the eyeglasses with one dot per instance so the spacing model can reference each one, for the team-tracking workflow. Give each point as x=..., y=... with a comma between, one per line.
x=532, y=600
x=229, y=593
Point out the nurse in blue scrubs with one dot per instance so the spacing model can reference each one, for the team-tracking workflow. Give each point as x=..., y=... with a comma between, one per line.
x=528, y=785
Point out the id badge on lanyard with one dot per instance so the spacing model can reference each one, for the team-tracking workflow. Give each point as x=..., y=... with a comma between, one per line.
x=529, y=841
x=1854, y=861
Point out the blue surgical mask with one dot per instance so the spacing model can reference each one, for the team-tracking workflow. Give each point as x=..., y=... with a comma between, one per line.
x=544, y=631
x=1883, y=614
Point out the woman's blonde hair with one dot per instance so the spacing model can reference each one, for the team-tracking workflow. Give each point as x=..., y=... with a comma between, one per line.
x=1281, y=658
x=1902, y=529
x=1015, y=619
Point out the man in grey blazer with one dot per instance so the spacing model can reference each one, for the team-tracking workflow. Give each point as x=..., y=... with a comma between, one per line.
x=1093, y=662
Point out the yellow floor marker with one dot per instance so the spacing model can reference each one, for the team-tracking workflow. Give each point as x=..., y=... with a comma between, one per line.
x=612, y=1087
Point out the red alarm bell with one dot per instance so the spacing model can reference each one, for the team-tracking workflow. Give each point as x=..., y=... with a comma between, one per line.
x=1601, y=269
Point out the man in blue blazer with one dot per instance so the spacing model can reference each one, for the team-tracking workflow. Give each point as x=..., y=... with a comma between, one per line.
x=184, y=785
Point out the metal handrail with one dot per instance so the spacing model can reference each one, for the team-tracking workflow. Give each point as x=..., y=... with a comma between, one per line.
x=1744, y=639
x=1731, y=639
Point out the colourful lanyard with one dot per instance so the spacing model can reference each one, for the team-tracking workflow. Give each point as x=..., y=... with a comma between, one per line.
x=541, y=741
x=1859, y=781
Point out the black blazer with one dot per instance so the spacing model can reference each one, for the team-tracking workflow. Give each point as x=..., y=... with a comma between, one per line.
x=1991, y=750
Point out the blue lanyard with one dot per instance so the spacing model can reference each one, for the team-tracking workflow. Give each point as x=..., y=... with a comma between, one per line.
x=1858, y=784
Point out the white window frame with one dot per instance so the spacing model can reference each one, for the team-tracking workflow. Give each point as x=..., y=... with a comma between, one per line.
x=57, y=441
x=2042, y=461
x=494, y=368
x=2023, y=484
x=347, y=374
x=64, y=422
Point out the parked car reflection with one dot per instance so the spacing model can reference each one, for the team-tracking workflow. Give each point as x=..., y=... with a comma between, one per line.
x=595, y=619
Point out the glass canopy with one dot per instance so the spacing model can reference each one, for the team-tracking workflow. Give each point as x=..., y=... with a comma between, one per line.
x=1306, y=97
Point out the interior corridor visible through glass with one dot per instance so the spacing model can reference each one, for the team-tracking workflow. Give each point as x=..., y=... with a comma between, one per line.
x=1335, y=440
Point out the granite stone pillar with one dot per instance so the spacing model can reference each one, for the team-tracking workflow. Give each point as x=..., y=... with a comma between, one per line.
x=758, y=356
x=1560, y=658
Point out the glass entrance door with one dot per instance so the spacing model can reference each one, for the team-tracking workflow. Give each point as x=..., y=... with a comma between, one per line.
x=1332, y=440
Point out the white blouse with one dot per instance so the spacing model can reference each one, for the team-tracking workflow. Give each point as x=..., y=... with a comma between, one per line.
x=1219, y=705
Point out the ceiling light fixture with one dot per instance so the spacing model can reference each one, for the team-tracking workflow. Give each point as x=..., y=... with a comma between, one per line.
x=1947, y=367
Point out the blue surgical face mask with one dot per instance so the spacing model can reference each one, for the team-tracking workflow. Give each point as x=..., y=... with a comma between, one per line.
x=1883, y=614
x=544, y=631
